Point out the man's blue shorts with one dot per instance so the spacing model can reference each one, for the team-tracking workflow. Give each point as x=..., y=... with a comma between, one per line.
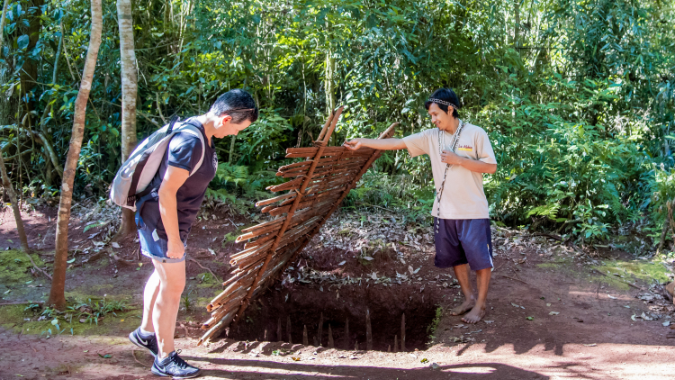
x=462, y=241
x=152, y=245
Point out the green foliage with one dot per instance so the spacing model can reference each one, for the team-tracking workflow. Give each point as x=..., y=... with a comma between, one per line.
x=578, y=97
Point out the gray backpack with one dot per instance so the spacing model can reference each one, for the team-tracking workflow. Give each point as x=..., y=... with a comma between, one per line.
x=139, y=169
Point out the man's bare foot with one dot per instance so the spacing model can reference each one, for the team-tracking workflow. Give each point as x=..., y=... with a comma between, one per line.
x=464, y=307
x=475, y=315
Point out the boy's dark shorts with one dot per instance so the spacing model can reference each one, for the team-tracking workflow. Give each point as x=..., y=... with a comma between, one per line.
x=463, y=241
x=152, y=245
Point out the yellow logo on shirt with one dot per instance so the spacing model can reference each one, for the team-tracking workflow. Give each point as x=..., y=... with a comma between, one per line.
x=465, y=148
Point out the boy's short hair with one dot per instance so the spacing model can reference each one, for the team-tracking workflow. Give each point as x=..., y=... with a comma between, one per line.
x=237, y=103
x=446, y=95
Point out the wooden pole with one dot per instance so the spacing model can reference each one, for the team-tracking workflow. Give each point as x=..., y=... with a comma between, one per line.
x=403, y=333
x=369, y=332
x=288, y=329
x=395, y=343
x=279, y=336
x=305, y=340
x=320, y=330
x=331, y=344
x=347, y=334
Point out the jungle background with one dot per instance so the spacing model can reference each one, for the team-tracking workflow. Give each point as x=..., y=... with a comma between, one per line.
x=576, y=96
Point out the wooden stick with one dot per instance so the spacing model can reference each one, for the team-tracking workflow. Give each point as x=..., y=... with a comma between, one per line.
x=288, y=329
x=320, y=330
x=36, y=267
x=274, y=200
x=395, y=343
x=279, y=338
x=346, y=342
x=305, y=341
x=403, y=332
x=369, y=332
x=203, y=267
x=325, y=126
x=331, y=344
x=287, y=185
x=263, y=225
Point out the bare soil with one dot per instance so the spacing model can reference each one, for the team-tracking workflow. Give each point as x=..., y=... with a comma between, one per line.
x=597, y=332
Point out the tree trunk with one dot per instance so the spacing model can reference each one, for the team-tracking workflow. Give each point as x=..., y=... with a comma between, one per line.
x=330, y=82
x=6, y=183
x=57, y=293
x=129, y=89
x=15, y=205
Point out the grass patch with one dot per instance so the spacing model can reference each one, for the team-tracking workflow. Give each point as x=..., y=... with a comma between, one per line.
x=95, y=316
x=636, y=269
x=15, y=267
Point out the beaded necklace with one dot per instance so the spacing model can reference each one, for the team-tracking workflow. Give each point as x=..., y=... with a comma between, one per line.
x=453, y=145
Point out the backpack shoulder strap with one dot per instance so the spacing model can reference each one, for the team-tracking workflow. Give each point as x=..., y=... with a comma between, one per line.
x=191, y=129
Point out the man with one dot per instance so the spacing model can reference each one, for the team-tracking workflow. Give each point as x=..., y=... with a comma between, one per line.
x=165, y=217
x=460, y=153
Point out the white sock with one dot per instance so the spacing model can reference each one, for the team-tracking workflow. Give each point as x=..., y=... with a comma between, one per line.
x=143, y=332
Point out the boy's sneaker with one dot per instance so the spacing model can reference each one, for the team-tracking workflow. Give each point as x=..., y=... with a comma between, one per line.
x=173, y=365
x=148, y=342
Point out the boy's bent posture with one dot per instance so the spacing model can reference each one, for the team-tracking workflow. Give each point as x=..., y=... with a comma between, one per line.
x=165, y=217
x=460, y=153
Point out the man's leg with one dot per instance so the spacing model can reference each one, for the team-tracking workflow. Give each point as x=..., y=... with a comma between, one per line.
x=462, y=274
x=478, y=311
x=171, y=285
x=149, y=298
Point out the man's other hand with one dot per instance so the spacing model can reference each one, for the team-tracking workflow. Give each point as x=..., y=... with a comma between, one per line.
x=175, y=249
x=451, y=158
x=354, y=144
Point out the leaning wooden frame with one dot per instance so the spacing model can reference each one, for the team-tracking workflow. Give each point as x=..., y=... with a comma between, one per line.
x=320, y=184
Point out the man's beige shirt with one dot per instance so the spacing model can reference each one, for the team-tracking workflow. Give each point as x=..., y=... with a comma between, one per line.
x=463, y=197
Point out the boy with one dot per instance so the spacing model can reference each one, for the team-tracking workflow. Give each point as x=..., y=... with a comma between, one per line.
x=165, y=217
x=460, y=153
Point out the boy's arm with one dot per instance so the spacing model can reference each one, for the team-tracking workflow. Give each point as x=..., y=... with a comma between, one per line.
x=173, y=179
x=379, y=144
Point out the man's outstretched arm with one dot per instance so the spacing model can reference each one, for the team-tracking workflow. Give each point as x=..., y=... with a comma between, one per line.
x=379, y=144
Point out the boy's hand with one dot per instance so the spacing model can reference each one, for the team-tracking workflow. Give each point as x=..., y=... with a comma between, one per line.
x=354, y=144
x=175, y=249
x=451, y=158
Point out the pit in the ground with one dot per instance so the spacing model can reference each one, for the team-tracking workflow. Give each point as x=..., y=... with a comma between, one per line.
x=268, y=317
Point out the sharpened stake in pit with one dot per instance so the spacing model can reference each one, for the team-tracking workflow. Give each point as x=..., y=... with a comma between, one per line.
x=331, y=344
x=369, y=332
x=356, y=345
x=389, y=348
x=305, y=341
x=320, y=331
x=403, y=333
x=265, y=336
x=347, y=334
x=279, y=336
x=395, y=343
x=288, y=329
x=316, y=343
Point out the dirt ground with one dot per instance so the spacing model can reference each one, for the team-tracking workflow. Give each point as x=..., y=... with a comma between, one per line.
x=553, y=313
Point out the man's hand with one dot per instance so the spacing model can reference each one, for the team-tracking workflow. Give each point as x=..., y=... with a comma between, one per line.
x=175, y=249
x=451, y=158
x=354, y=144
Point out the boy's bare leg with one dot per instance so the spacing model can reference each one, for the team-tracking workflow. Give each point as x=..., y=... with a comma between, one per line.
x=478, y=311
x=462, y=274
x=172, y=282
x=149, y=297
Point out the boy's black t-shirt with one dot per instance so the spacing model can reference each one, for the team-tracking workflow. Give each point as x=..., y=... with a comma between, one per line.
x=183, y=152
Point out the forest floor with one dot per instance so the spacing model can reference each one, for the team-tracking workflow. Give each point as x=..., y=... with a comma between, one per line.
x=554, y=312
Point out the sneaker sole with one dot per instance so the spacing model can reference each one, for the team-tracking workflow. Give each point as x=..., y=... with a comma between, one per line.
x=133, y=340
x=155, y=371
